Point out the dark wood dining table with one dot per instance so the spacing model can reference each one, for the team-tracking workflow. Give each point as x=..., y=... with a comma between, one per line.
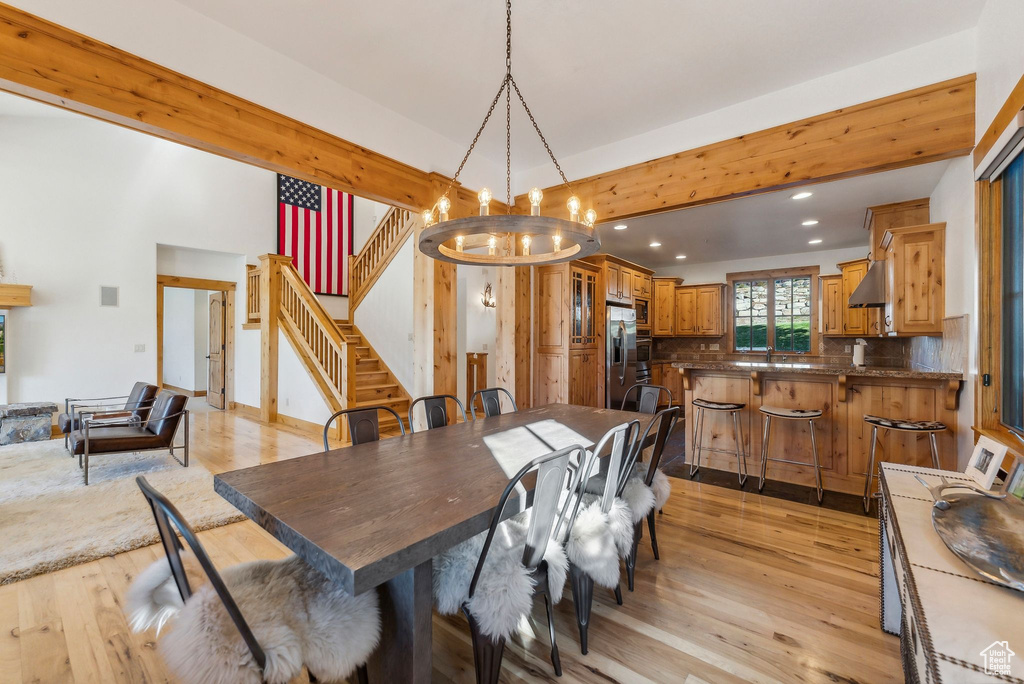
x=375, y=514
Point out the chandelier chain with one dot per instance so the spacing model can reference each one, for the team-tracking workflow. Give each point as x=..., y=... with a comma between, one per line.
x=490, y=110
x=508, y=150
x=539, y=134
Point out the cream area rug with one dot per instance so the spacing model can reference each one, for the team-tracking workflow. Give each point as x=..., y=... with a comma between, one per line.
x=50, y=520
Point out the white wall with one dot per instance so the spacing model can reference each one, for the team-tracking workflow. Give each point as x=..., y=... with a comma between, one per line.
x=180, y=338
x=715, y=272
x=1000, y=57
x=385, y=315
x=202, y=339
x=477, y=324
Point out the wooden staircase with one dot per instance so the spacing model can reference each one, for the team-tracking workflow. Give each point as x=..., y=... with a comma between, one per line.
x=342, y=365
x=375, y=384
x=388, y=237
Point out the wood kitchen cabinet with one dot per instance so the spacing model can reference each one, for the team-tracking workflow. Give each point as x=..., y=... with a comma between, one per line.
x=855, y=321
x=663, y=319
x=915, y=280
x=642, y=285
x=613, y=281
x=623, y=280
x=698, y=311
x=832, y=304
x=686, y=311
x=568, y=322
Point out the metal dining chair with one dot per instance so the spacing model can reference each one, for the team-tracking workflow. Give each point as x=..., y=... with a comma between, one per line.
x=363, y=423
x=436, y=407
x=648, y=397
x=665, y=420
x=556, y=498
x=622, y=438
x=168, y=522
x=490, y=399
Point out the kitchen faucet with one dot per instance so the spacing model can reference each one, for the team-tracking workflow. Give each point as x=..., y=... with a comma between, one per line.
x=768, y=354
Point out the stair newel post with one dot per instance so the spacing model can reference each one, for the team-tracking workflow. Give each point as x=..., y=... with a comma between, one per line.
x=348, y=379
x=270, y=310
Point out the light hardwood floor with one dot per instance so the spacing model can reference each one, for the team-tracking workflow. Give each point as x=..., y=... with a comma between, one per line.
x=747, y=589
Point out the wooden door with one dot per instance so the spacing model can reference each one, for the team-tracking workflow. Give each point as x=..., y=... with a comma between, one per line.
x=625, y=285
x=855, y=321
x=832, y=304
x=215, y=367
x=919, y=292
x=686, y=311
x=663, y=319
x=709, y=310
x=583, y=377
x=612, y=279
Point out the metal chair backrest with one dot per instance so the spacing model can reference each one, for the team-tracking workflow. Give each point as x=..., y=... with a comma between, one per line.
x=648, y=397
x=622, y=438
x=556, y=493
x=666, y=421
x=363, y=423
x=167, y=520
x=491, y=401
x=436, y=407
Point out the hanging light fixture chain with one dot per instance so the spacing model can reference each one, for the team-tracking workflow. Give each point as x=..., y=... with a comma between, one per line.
x=490, y=110
x=540, y=135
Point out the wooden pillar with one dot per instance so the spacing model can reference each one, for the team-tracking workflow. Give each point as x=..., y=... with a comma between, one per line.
x=423, y=318
x=270, y=306
x=445, y=316
x=513, y=347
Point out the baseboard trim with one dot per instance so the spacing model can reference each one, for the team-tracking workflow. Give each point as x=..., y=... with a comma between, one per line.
x=182, y=390
x=299, y=424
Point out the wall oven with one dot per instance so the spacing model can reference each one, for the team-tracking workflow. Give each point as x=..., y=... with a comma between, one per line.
x=643, y=350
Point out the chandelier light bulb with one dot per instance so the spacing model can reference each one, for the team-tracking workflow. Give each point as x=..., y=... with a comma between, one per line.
x=443, y=205
x=574, y=208
x=485, y=200
x=557, y=241
x=428, y=218
x=459, y=242
x=492, y=246
x=535, y=196
x=590, y=218
x=526, y=245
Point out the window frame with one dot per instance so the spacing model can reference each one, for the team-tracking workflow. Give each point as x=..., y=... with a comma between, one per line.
x=771, y=276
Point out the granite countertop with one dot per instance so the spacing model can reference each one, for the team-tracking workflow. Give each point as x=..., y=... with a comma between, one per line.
x=815, y=369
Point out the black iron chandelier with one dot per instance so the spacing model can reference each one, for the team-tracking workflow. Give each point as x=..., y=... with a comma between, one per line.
x=508, y=239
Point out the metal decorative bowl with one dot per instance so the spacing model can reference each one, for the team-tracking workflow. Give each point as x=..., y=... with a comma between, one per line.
x=985, y=533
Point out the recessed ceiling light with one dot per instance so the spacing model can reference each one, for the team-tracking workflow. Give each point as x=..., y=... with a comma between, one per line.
x=814, y=242
x=621, y=226
x=655, y=244
x=680, y=256
x=802, y=195
x=810, y=222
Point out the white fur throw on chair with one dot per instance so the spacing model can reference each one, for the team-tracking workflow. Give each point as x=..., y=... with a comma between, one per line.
x=598, y=540
x=640, y=498
x=298, y=616
x=504, y=593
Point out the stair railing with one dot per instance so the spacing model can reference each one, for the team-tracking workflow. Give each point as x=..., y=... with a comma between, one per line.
x=252, y=293
x=365, y=267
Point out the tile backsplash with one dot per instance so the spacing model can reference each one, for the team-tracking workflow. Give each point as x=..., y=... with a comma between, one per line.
x=831, y=350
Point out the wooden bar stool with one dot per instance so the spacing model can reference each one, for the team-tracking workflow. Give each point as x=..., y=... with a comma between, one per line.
x=789, y=414
x=929, y=427
x=702, y=405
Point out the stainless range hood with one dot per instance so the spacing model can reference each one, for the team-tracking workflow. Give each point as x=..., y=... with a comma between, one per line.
x=870, y=294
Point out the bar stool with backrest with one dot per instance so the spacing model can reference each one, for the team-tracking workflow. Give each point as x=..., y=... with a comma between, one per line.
x=648, y=397
x=731, y=408
x=928, y=427
x=436, y=408
x=789, y=414
x=363, y=423
x=490, y=399
x=330, y=635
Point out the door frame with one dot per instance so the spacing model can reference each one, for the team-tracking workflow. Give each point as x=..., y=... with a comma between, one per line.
x=226, y=287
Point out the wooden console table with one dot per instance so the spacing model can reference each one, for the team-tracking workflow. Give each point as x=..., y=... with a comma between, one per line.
x=949, y=619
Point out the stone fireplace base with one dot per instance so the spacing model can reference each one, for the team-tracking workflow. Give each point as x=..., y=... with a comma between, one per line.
x=30, y=422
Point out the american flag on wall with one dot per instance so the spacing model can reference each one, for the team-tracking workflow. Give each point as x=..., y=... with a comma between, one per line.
x=314, y=227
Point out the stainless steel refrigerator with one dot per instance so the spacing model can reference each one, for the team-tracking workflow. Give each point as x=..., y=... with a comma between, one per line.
x=620, y=354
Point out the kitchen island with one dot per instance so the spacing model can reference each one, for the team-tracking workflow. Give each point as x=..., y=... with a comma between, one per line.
x=843, y=393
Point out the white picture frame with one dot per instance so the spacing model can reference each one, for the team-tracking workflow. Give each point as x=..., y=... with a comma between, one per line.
x=985, y=462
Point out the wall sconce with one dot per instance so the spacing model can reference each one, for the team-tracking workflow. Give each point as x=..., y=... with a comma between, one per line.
x=488, y=299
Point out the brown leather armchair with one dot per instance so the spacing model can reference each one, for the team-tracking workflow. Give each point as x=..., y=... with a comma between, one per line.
x=102, y=436
x=135, y=409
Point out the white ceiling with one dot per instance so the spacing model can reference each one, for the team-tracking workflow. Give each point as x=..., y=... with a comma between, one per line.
x=770, y=224
x=15, y=105
x=594, y=71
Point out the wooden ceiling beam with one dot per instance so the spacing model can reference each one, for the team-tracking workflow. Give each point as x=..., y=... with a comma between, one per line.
x=918, y=126
x=49, y=63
